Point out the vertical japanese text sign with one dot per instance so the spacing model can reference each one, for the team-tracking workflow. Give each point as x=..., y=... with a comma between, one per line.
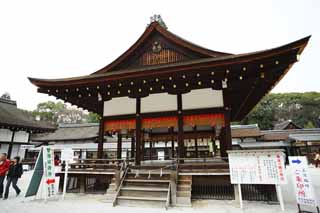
x=302, y=181
x=49, y=170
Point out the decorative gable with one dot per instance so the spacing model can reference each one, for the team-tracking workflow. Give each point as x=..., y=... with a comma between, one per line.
x=158, y=46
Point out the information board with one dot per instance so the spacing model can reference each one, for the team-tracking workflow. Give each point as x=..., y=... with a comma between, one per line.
x=302, y=182
x=67, y=154
x=49, y=171
x=257, y=167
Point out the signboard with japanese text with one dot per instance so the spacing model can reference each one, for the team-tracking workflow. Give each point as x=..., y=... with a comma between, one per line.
x=49, y=171
x=44, y=174
x=67, y=154
x=302, y=182
x=257, y=167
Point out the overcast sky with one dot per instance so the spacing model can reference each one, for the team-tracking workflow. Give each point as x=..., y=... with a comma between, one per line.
x=57, y=39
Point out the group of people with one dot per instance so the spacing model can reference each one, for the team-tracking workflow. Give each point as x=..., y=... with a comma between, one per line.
x=13, y=171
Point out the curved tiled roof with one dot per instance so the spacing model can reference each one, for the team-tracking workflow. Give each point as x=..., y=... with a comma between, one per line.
x=12, y=117
x=67, y=132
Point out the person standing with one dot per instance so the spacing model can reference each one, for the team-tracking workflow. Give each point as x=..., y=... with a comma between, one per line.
x=14, y=173
x=317, y=159
x=4, y=167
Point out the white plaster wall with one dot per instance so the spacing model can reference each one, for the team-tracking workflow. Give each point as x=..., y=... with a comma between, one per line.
x=5, y=135
x=4, y=148
x=21, y=136
x=119, y=106
x=159, y=103
x=202, y=98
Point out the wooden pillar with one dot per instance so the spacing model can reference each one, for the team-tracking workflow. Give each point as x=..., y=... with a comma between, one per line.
x=172, y=141
x=119, y=146
x=150, y=150
x=225, y=136
x=11, y=145
x=26, y=151
x=181, y=151
x=133, y=143
x=214, y=147
x=143, y=145
x=138, y=132
x=196, y=140
x=101, y=138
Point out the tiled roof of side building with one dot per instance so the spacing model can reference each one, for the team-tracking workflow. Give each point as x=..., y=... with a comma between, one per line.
x=11, y=117
x=288, y=124
x=68, y=132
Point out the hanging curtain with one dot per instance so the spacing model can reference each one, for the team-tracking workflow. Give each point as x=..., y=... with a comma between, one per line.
x=204, y=120
x=150, y=123
x=115, y=125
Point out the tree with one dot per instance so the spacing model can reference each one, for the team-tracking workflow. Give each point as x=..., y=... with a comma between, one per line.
x=49, y=111
x=302, y=108
x=93, y=117
x=58, y=112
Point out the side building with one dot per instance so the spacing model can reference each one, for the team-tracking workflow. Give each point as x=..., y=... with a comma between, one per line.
x=16, y=127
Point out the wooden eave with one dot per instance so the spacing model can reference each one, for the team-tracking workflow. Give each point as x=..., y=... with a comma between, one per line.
x=242, y=94
x=299, y=45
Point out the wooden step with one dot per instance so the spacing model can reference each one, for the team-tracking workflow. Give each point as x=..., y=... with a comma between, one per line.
x=152, y=173
x=153, y=189
x=146, y=181
x=142, y=198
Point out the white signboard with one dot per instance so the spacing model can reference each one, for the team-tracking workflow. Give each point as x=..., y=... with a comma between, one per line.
x=67, y=154
x=27, y=146
x=49, y=171
x=256, y=167
x=302, y=182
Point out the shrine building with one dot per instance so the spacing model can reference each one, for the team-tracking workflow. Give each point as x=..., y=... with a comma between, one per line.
x=164, y=88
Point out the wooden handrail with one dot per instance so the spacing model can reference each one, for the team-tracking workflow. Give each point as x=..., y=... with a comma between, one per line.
x=119, y=187
x=168, y=197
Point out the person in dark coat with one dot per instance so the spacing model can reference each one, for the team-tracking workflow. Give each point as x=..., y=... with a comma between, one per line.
x=14, y=173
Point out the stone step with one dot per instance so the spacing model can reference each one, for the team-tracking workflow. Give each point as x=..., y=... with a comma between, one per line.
x=184, y=194
x=184, y=188
x=184, y=201
x=141, y=202
x=185, y=177
x=184, y=182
